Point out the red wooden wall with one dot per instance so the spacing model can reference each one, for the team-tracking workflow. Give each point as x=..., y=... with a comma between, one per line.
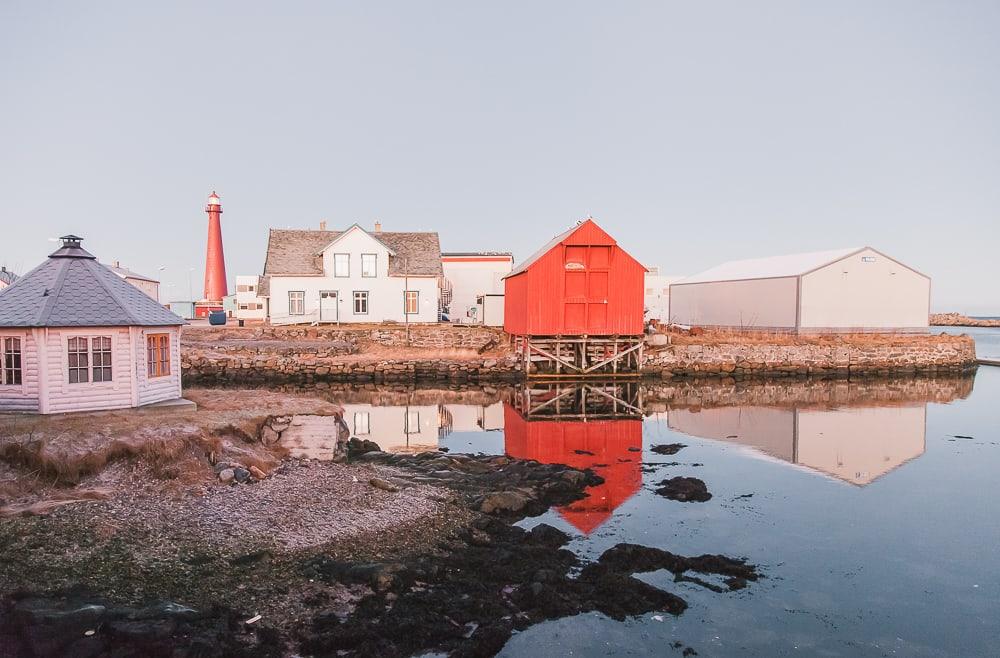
x=556, y=442
x=583, y=285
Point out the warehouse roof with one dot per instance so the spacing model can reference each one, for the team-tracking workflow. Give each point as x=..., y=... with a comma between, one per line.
x=71, y=289
x=775, y=267
x=293, y=252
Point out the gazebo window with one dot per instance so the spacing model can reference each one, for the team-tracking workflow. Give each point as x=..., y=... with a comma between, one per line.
x=158, y=355
x=89, y=359
x=10, y=360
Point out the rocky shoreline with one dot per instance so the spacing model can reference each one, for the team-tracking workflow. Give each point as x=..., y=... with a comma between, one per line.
x=378, y=356
x=959, y=320
x=460, y=578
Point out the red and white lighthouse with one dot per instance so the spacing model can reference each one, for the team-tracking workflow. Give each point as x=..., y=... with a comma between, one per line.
x=215, y=261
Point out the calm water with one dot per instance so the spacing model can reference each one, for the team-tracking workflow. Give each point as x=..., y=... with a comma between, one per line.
x=987, y=339
x=877, y=529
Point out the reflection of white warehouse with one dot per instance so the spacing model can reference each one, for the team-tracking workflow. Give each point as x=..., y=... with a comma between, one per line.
x=845, y=290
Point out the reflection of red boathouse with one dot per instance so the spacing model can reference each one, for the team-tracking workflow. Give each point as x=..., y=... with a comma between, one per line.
x=611, y=446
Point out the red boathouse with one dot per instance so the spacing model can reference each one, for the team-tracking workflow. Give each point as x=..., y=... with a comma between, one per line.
x=575, y=307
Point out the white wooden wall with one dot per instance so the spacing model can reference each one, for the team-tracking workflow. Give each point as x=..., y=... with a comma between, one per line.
x=157, y=389
x=23, y=398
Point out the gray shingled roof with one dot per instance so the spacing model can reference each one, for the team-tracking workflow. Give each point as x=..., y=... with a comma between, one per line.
x=297, y=252
x=71, y=289
x=126, y=273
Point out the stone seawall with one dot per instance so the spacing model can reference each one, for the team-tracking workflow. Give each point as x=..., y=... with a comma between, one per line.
x=933, y=354
x=445, y=353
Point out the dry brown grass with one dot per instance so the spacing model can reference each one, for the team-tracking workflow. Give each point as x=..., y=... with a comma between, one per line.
x=700, y=336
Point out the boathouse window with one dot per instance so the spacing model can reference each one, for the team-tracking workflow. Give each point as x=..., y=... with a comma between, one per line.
x=296, y=302
x=158, y=355
x=411, y=302
x=89, y=359
x=342, y=265
x=10, y=360
x=368, y=262
x=360, y=302
x=362, y=422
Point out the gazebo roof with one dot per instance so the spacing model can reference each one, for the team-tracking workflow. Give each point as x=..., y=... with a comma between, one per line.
x=71, y=289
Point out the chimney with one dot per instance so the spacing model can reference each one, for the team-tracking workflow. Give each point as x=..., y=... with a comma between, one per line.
x=322, y=224
x=378, y=226
x=117, y=264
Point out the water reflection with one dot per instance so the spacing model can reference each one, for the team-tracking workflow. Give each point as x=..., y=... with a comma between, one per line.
x=854, y=431
x=596, y=426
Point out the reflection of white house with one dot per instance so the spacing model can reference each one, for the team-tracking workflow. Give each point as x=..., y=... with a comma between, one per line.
x=146, y=284
x=657, y=296
x=395, y=428
x=475, y=418
x=827, y=291
x=855, y=445
x=477, y=288
x=352, y=276
x=250, y=302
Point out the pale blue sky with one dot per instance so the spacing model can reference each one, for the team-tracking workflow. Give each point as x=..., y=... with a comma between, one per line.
x=695, y=132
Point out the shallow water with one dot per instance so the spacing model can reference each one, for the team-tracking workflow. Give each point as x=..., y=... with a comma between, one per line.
x=987, y=339
x=876, y=527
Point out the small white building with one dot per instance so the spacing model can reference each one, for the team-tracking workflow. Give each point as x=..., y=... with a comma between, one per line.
x=656, y=298
x=476, y=281
x=74, y=336
x=6, y=277
x=352, y=276
x=148, y=285
x=846, y=290
x=251, y=304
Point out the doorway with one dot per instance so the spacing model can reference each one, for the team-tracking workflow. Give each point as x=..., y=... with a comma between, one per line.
x=329, y=309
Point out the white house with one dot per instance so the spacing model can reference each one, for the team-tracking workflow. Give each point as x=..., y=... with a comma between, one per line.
x=845, y=290
x=250, y=303
x=148, y=285
x=352, y=276
x=74, y=336
x=476, y=282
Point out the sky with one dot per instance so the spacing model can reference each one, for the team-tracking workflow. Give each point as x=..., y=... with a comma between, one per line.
x=694, y=132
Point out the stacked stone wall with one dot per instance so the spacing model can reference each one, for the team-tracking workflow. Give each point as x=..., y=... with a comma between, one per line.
x=947, y=354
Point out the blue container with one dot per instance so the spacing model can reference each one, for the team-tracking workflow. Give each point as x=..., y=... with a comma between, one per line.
x=217, y=317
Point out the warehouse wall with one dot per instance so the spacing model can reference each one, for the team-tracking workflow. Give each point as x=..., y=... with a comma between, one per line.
x=865, y=291
x=756, y=304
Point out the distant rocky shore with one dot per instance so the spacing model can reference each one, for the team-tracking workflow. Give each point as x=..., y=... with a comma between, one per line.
x=959, y=320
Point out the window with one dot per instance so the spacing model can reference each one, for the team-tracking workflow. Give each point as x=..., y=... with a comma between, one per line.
x=362, y=422
x=360, y=302
x=243, y=307
x=242, y=287
x=411, y=302
x=342, y=265
x=89, y=359
x=412, y=422
x=368, y=263
x=10, y=361
x=100, y=351
x=158, y=355
x=296, y=302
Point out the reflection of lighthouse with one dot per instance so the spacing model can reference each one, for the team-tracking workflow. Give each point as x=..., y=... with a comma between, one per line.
x=215, y=261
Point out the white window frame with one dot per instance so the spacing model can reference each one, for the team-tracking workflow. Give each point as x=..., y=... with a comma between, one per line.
x=367, y=416
x=374, y=269
x=301, y=300
x=90, y=338
x=406, y=302
x=22, y=347
x=336, y=266
x=410, y=427
x=356, y=298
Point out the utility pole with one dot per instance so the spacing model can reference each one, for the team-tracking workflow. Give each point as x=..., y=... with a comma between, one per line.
x=406, y=296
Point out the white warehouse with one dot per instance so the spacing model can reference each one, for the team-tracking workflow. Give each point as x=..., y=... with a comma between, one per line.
x=845, y=290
